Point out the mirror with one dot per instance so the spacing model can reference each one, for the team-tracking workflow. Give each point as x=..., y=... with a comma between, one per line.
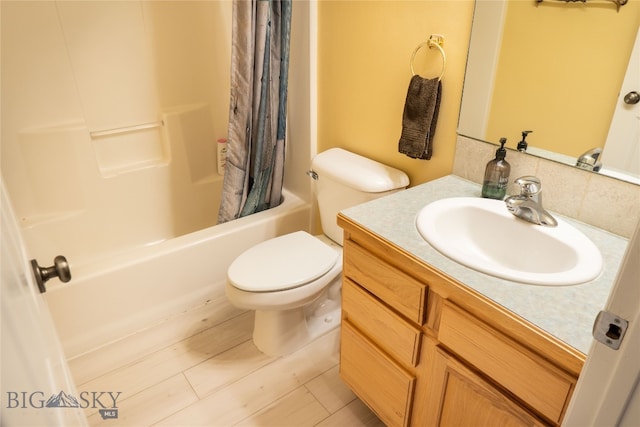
x=553, y=67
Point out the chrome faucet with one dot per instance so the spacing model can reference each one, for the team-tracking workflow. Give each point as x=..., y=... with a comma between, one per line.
x=589, y=160
x=528, y=204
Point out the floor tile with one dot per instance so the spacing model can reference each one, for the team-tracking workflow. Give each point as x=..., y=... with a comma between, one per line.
x=297, y=409
x=150, y=405
x=329, y=389
x=249, y=395
x=355, y=414
x=127, y=350
x=218, y=378
x=172, y=360
x=225, y=368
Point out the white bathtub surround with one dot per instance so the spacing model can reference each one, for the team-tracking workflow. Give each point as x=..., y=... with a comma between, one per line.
x=92, y=146
x=106, y=198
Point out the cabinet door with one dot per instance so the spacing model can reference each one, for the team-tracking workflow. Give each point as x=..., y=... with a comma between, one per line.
x=459, y=397
x=379, y=381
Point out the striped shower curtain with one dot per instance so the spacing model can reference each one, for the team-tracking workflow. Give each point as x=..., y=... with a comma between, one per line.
x=257, y=114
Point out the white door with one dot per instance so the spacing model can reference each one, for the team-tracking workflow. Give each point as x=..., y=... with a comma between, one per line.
x=33, y=370
x=622, y=148
x=607, y=393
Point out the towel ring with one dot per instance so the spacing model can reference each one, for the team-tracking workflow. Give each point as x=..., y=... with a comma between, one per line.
x=435, y=40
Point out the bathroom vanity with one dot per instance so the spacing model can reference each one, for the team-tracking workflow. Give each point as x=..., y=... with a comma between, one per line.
x=426, y=341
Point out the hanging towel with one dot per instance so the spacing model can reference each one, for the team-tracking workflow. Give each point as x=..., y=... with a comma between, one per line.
x=420, y=117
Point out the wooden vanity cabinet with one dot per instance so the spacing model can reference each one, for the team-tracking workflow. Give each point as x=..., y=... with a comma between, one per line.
x=421, y=349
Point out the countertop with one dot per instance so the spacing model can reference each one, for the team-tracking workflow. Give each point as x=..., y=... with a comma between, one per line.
x=566, y=312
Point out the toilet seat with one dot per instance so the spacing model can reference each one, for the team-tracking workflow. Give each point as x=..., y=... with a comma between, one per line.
x=282, y=263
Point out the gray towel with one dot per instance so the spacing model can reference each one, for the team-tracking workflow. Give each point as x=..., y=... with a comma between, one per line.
x=420, y=117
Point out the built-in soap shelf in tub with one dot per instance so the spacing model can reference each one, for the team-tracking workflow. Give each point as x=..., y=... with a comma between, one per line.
x=131, y=147
x=61, y=153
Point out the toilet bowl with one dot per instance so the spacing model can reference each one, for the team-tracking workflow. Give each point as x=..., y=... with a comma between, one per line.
x=293, y=282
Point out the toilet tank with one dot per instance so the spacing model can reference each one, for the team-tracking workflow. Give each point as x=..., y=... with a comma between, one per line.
x=344, y=179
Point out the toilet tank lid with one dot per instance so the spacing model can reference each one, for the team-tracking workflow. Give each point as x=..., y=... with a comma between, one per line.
x=358, y=172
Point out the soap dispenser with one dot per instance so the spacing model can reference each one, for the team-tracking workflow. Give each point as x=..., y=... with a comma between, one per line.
x=496, y=175
x=522, y=145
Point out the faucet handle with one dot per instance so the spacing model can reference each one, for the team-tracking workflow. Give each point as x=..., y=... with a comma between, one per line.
x=529, y=185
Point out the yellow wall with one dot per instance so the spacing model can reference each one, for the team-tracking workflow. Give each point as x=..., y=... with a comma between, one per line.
x=565, y=35
x=364, y=52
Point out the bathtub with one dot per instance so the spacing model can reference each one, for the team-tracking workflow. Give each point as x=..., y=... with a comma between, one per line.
x=115, y=296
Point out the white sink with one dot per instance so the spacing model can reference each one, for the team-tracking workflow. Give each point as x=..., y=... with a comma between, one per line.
x=483, y=235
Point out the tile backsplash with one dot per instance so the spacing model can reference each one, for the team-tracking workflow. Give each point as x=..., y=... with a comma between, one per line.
x=604, y=202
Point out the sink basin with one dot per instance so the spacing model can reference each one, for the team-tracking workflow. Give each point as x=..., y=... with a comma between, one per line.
x=483, y=235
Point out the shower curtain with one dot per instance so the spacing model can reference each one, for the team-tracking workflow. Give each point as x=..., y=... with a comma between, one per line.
x=257, y=113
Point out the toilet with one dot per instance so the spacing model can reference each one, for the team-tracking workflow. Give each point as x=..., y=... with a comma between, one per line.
x=293, y=281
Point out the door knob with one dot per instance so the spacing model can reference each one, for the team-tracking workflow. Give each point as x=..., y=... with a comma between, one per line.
x=59, y=269
x=632, y=97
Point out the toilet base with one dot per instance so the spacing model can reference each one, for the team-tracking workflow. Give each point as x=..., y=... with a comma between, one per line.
x=281, y=332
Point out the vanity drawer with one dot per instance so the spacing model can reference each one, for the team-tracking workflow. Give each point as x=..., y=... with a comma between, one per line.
x=543, y=386
x=380, y=382
x=391, y=332
x=396, y=288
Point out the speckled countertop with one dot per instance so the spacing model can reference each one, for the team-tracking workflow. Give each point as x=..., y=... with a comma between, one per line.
x=566, y=312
